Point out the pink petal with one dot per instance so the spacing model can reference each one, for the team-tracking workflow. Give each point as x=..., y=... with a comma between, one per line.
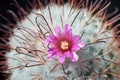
x=53, y=38
x=51, y=56
x=76, y=39
x=62, y=59
x=47, y=40
x=81, y=44
x=75, y=57
x=76, y=47
x=67, y=27
x=68, y=31
x=69, y=34
x=52, y=53
x=58, y=31
x=68, y=54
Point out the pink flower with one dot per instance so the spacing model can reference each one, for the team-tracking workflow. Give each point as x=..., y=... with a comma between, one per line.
x=63, y=44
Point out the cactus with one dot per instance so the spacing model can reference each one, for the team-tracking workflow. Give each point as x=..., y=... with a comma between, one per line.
x=29, y=59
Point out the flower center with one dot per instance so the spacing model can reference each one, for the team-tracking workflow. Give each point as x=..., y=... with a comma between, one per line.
x=64, y=45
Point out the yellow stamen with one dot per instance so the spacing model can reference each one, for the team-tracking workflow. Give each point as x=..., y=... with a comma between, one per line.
x=64, y=45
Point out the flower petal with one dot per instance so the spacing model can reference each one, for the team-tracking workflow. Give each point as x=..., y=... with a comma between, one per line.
x=75, y=57
x=78, y=46
x=53, y=38
x=81, y=44
x=76, y=39
x=67, y=27
x=75, y=47
x=58, y=31
x=67, y=31
x=52, y=53
x=68, y=54
x=69, y=34
x=47, y=40
x=62, y=58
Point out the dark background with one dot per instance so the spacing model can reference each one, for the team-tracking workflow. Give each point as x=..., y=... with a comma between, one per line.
x=5, y=5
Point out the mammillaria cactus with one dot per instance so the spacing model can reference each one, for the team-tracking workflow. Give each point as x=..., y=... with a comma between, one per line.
x=64, y=40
